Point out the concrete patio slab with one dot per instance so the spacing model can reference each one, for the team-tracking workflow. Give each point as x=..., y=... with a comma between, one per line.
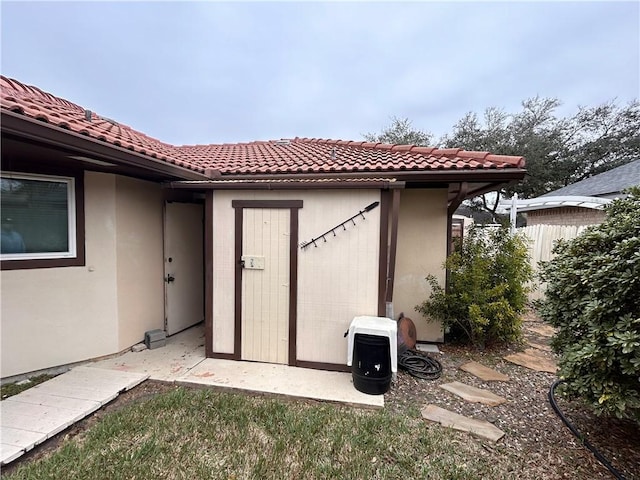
x=280, y=380
x=8, y=453
x=48, y=399
x=26, y=417
x=19, y=438
x=45, y=410
x=182, y=352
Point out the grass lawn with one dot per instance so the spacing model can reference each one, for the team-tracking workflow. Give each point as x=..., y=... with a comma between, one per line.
x=198, y=433
x=11, y=389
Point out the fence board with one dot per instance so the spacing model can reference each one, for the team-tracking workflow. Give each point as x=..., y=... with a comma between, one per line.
x=543, y=238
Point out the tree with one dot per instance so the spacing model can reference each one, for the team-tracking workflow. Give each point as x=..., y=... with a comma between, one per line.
x=559, y=151
x=593, y=299
x=534, y=133
x=401, y=132
x=604, y=137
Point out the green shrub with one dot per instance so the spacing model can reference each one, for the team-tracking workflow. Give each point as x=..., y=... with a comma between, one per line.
x=489, y=278
x=593, y=298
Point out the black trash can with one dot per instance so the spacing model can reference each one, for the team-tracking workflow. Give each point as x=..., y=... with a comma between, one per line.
x=371, y=367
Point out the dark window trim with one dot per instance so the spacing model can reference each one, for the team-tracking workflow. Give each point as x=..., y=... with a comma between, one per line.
x=266, y=203
x=77, y=261
x=332, y=367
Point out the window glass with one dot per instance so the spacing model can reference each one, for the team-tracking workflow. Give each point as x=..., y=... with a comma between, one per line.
x=37, y=217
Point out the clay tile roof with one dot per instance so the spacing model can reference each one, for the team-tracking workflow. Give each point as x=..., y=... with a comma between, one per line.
x=297, y=155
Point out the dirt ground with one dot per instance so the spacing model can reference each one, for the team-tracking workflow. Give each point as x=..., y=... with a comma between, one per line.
x=536, y=440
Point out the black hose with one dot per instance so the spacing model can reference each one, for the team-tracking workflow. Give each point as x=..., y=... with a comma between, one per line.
x=419, y=365
x=579, y=436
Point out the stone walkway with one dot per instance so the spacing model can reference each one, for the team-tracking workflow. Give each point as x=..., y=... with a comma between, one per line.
x=39, y=413
x=537, y=357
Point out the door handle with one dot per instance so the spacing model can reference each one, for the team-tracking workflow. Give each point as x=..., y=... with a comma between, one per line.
x=170, y=278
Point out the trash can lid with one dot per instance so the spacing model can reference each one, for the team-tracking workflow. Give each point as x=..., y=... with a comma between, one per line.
x=380, y=326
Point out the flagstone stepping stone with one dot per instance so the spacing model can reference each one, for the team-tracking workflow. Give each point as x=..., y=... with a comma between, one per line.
x=446, y=418
x=544, y=330
x=532, y=359
x=538, y=346
x=484, y=373
x=473, y=394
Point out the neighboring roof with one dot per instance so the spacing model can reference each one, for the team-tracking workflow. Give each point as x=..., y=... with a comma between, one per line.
x=606, y=184
x=296, y=156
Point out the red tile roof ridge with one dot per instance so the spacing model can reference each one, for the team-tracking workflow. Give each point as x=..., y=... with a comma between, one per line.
x=34, y=92
x=452, y=153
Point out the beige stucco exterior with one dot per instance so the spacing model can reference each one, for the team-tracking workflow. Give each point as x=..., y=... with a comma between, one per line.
x=139, y=254
x=422, y=249
x=336, y=281
x=57, y=316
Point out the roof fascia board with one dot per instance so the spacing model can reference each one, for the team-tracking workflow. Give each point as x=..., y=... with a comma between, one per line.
x=292, y=185
x=489, y=175
x=33, y=130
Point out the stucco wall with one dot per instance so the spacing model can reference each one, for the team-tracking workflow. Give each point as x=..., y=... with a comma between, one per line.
x=55, y=316
x=422, y=249
x=336, y=281
x=139, y=251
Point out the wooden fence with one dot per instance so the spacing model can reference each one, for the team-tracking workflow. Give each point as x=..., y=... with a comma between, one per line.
x=542, y=239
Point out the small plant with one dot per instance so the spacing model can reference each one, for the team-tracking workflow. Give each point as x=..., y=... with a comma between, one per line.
x=593, y=298
x=489, y=279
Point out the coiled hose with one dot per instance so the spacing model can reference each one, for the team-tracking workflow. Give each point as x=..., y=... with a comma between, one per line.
x=419, y=364
x=579, y=436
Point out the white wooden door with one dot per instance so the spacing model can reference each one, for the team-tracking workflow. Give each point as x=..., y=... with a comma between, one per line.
x=265, y=285
x=183, y=266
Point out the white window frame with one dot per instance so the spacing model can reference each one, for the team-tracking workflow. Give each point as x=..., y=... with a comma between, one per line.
x=71, y=217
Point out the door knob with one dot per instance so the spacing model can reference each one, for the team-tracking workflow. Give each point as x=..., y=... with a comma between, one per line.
x=170, y=278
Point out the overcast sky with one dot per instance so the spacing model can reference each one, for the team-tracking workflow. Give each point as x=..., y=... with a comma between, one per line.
x=211, y=72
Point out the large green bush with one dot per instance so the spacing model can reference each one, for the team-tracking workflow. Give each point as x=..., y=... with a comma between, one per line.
x=489, y=279
x=593, y=298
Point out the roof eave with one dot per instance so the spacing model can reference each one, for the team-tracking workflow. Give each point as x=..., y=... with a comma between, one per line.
x=499, y=175
x=288, y=185
x=32, y=130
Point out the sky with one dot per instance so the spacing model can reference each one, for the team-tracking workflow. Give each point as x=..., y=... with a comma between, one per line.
x=224, y=72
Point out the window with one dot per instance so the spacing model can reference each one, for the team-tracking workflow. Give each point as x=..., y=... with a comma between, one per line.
x=38, y=215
